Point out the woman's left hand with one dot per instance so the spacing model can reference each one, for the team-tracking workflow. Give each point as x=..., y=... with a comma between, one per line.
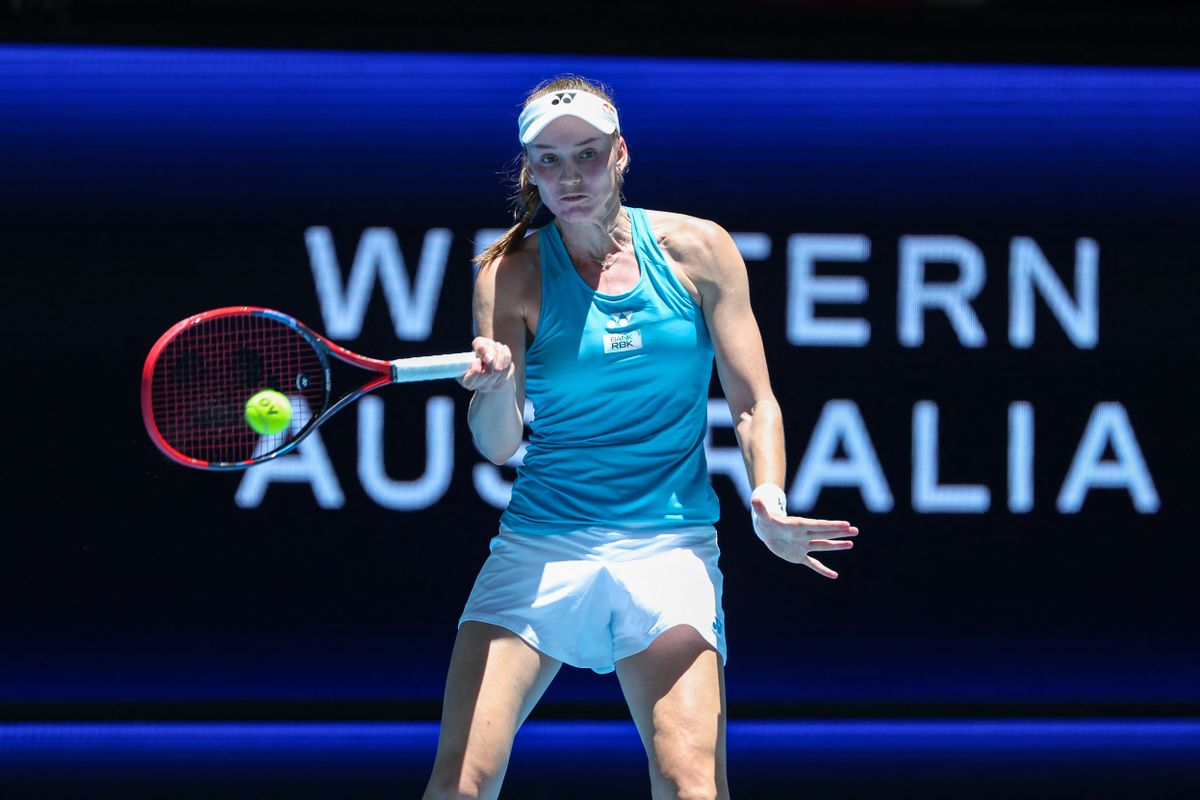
x=794, y=538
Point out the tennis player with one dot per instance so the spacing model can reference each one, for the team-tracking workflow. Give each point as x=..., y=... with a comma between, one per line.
x=610, y=318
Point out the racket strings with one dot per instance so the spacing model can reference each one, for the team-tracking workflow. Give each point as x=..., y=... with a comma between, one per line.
x=204, y=376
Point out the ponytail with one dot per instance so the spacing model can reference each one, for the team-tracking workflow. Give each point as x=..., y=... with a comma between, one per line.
x=526, y=203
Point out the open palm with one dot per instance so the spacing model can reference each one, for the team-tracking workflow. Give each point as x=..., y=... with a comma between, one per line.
x=795, y=538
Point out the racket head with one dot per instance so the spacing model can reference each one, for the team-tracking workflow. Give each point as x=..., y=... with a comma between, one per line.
x=200, y=373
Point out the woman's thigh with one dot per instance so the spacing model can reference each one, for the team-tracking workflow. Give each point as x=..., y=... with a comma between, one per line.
x=676, y=693
x=494, y=681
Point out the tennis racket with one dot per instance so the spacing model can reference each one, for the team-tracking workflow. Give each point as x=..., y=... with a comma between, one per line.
x=200, y=373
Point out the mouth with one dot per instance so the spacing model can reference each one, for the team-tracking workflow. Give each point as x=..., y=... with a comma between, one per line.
x=573, y=198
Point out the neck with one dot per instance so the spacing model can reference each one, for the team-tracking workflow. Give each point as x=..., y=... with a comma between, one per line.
x=599, y=241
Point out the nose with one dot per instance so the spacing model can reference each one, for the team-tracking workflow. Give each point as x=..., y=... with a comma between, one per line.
x=569, y=176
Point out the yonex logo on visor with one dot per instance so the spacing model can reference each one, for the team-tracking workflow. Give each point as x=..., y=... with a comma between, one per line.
x=592, y=109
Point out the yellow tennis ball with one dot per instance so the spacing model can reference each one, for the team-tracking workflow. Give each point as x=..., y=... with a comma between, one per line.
x=268, y=412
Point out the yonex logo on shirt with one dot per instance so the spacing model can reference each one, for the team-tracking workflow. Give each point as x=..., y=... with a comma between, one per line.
x=621, y=319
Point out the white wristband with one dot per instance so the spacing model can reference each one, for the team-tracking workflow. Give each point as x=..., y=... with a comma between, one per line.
x=775, y=500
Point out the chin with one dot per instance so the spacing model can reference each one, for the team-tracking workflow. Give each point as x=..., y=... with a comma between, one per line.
x=581, y=210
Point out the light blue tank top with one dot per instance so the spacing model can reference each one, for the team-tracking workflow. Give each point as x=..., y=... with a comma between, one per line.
x=619, y=387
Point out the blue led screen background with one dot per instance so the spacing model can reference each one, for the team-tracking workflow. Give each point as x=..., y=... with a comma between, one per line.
x=976, y=284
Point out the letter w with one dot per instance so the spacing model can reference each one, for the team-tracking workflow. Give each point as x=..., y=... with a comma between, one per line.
x=378, y=253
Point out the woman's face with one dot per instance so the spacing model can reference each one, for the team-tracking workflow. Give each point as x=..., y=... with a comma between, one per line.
x=575, y=168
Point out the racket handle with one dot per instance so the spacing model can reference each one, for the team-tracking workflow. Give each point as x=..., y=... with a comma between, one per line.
x=430, y=368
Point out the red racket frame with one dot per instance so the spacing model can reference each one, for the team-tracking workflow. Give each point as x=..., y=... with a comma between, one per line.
x=323, y=348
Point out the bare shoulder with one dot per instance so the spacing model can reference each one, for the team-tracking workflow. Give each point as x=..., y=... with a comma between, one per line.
x=508, y=289
x=513, y=276
x=515, y=267
x=702, y=248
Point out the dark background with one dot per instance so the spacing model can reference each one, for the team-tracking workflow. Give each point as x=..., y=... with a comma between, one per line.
x=158, y=163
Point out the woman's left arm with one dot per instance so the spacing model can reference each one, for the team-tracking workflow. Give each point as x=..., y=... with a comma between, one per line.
x=719, y=274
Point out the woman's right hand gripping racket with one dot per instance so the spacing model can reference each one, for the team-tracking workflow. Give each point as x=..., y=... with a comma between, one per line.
x=201, y=373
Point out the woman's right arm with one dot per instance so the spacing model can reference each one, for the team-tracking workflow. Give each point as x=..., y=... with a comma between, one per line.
x=498, y=377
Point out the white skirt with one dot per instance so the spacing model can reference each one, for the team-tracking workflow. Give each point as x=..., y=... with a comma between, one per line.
x=592, y=597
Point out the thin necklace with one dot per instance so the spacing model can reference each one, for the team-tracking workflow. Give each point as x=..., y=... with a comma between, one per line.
x=607, y=262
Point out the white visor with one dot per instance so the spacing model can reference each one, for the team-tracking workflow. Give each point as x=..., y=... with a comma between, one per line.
x=594, y=110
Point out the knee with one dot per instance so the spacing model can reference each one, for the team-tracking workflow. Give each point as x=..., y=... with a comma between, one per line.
x=465, y=784
x=697, y=792
x=455, y=793
x=691, y=789
x=691, y=777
